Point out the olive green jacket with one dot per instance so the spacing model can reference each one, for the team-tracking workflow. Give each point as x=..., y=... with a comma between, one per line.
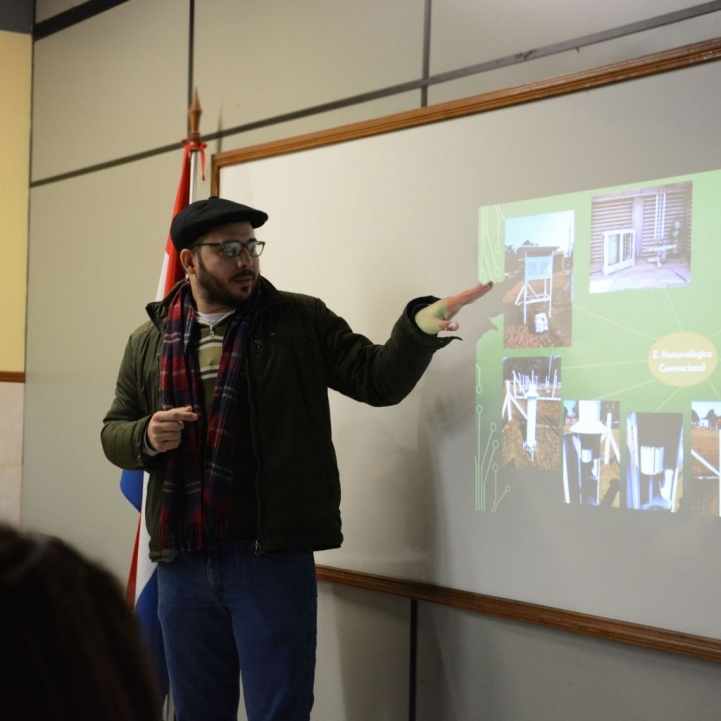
x=296, y=349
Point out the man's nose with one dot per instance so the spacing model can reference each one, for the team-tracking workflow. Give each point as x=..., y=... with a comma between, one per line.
x=245, y=258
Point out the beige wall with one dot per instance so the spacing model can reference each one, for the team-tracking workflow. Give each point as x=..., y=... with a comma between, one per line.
x=15, y=54
x=116, y=86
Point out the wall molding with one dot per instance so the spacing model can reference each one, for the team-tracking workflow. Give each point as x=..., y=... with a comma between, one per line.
x=635, y=634
x=12, y=377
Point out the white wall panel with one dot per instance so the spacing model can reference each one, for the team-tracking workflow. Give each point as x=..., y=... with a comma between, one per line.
x=10, y=481
x=465, y=33
x=363, y=652
x=111, y=86
x=310, y=124
x=479, y=667
x=256, y=60
x=592, y=56
x=11, y=424
x=11, y=450
x=96, y=247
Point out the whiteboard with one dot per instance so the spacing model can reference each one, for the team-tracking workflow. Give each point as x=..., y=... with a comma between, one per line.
x=430, y=492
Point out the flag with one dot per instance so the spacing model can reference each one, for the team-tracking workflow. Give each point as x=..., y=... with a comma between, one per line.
x=142, y=587
x=172, y=270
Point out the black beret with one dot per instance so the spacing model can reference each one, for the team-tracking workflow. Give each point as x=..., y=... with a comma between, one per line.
x=198, y=218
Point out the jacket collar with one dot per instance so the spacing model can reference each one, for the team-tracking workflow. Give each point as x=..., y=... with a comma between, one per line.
x=158, y=310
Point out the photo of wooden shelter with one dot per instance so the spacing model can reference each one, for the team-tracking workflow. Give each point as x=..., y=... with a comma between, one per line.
x=539, y=258
x=641, y=238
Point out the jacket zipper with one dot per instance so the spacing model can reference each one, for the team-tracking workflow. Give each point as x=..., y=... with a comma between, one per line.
x=253, y=429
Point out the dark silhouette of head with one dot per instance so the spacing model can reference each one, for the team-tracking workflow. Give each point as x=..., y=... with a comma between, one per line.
x=70, y=647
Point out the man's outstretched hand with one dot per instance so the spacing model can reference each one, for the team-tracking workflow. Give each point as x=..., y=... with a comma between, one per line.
x=439, y=315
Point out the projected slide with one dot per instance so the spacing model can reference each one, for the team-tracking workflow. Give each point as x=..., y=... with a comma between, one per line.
x=601, y=388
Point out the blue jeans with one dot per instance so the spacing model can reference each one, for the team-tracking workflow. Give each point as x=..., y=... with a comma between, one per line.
x=228, y=613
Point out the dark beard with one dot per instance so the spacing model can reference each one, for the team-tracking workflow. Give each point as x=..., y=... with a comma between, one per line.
x=217, y=293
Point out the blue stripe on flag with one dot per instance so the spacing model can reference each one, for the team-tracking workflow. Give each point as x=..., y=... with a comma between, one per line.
x=131, y=486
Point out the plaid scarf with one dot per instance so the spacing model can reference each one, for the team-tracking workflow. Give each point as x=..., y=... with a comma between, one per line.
x=198, y=488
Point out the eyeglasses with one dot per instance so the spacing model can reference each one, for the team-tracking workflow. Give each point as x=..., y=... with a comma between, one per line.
x=233, y=248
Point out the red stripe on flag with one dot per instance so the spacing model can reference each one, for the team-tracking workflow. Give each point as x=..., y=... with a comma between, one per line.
x=175, y=271
x=133, y=575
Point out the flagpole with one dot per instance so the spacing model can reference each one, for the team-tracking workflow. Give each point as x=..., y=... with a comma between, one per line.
x=195, y=149
x=194, y=113
x=142, y=588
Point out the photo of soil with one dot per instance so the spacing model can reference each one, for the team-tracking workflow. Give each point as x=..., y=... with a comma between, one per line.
x=556, y=330
x=531, y=433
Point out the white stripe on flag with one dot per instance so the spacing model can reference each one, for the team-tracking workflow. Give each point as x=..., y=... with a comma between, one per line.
x=145, y=568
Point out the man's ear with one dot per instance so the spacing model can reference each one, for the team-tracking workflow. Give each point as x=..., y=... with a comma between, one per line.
x=187, y=258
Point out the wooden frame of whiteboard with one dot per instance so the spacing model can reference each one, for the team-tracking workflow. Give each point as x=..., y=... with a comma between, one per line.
x=604, y=628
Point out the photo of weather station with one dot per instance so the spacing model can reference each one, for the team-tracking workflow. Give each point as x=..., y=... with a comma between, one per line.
x=591, y=453
x=654, y=475
x=641, y=238
x=539, y=256
x=532, y=413
x=702, y=489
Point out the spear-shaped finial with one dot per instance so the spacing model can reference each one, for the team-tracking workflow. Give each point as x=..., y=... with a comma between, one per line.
x=194, y=113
